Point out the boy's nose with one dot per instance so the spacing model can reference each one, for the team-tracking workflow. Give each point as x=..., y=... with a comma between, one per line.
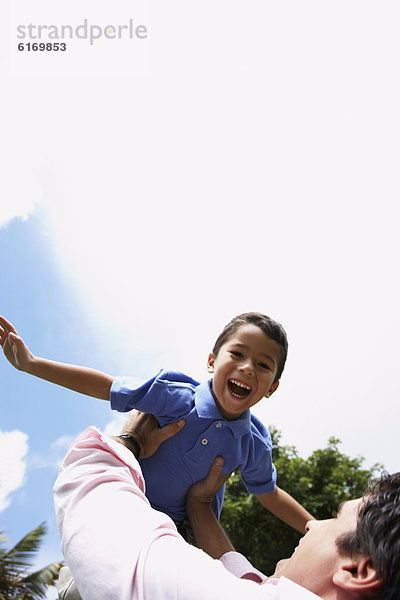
x=247, y=368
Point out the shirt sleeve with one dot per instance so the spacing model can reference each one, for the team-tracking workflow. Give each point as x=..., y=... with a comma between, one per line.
x=238, y=565
x=117, y=546
x=128, y=393
x=258, y=471
x=167, y=395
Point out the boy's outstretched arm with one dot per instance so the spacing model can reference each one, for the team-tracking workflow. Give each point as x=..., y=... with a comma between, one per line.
x=286, y=508
x=80, y=379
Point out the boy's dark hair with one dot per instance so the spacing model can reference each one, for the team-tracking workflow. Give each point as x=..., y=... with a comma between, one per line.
x=378, y=533
x=270, y=327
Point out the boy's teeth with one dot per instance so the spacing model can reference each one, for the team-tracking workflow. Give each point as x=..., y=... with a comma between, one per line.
x=239, y=389
x=242, y=385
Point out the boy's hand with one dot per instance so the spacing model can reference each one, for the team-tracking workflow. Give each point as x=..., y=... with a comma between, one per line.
x=14, y=348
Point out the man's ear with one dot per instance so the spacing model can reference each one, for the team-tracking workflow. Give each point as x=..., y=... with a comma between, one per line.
x=358, y=574
x=271, y=389
x=210, y=363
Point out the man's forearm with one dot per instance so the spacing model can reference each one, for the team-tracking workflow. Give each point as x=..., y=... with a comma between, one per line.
x=208, y=532
x=80, y=379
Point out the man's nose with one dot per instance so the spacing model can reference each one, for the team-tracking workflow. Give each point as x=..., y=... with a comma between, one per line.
x=310, y=524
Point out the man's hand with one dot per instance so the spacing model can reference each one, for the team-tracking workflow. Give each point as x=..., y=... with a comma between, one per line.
x=147, y=433
x=14, y=348
x=208, y=533
x=204, y=491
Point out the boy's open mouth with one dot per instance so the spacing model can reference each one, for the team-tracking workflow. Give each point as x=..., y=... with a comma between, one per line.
x=238, y=389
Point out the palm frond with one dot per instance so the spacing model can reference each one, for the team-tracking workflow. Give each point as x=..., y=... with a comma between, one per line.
x=22, y=554
x=15, y=582
x=37, y=583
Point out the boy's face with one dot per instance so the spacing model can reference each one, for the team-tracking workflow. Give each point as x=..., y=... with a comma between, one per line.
x=244, y=370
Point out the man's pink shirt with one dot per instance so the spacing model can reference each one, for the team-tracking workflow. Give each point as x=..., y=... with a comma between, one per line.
x=119, y=548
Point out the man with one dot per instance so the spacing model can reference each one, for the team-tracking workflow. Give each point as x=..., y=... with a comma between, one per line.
x=119, y=548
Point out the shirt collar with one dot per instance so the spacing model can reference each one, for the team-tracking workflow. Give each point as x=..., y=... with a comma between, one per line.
x=288, y=590
x=207, y=409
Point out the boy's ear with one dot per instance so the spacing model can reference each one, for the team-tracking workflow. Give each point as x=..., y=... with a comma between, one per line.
x=271, y=389
x=210, y=363
x=358, y=575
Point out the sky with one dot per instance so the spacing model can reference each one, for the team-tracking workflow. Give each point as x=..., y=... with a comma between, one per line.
x=240, y=157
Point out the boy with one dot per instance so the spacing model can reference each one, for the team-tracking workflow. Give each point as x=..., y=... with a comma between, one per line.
x=246, y=362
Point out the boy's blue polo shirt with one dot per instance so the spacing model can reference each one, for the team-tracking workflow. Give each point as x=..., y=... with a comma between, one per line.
x=186, y=458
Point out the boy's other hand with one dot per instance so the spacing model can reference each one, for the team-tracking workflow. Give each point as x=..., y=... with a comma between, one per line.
x=14, y=348
x=145, y=429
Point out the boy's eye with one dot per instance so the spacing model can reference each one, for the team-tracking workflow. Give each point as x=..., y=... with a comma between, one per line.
x=264, y=366
x=237, y=353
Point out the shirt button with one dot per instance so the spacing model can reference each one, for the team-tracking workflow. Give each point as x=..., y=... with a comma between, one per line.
x=218, y=425
x=204, y=441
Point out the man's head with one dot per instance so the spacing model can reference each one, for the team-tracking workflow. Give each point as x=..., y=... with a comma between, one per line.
x=356, y=554
x=378, y=533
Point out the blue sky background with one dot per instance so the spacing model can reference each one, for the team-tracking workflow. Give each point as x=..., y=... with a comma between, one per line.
x=240, y=159
x=39, y=301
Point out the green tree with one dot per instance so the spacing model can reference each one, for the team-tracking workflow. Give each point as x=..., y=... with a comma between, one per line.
x=320, y=483
x=16, y=582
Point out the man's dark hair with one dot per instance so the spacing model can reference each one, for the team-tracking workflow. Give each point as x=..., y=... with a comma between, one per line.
x=378, y=533
x=270, y=327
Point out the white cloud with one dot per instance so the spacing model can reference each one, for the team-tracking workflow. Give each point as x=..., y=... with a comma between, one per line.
x=271, y=187
x=62, y=443
x=41, y=461
x=21, y=189
x=164, y=246
x=53, y=458
x=20, y=207
x=115, y=426
x=13, y=448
